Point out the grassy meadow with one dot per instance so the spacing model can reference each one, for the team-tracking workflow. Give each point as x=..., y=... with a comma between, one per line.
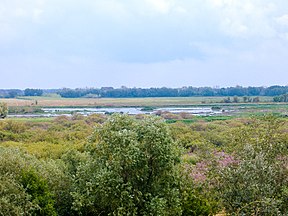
x=33, y=105
x=55, y=101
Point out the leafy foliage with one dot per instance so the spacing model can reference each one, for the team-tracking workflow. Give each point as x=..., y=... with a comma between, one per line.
x=144, y=166
x=3, y=110
x=256, y=184
x=132, y=170
x=38, y=190
x=29, y=186
x=13, y=198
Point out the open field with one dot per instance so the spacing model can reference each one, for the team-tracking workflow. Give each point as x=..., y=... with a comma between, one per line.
x=116, y=102
x=34, y=105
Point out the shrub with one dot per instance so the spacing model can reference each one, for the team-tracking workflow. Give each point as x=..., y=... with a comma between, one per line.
x=32, y=186
x=256, y=185
x=13, y=198
x=3, y=110
x=38, y=190
x=132, y=170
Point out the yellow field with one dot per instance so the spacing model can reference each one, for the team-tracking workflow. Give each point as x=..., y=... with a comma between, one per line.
x=116, y=102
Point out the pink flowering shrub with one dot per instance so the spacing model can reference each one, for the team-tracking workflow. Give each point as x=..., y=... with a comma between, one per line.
x=205, y=168
x=223, y=159
x=199, y=172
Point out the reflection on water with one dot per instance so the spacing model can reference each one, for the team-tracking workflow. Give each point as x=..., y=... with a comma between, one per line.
x=54, y=112
x=194, y=110
x=87, y=111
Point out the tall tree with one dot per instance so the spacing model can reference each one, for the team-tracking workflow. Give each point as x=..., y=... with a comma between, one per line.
x=33, y=92
x=3, y=110
x=132, y=170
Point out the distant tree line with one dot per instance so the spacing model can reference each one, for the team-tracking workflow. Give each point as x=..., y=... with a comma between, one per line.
x=10, y=93
x=13, y=93
x=281, y=98
x=124, y=92
x=33, y=92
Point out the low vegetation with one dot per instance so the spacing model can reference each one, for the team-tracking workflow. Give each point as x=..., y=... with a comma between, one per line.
x=123, y=165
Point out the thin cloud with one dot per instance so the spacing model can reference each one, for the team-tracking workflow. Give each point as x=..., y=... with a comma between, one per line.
x=124, y=37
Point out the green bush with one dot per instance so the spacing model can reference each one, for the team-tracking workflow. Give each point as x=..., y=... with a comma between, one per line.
x=132, y=170
x=194, y=202
x=256, y=184
x=39, y=193
x=3, y=110
x=43, y=191
x=13, y=198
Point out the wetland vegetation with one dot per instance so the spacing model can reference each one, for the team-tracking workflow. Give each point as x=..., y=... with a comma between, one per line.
x=160, y=161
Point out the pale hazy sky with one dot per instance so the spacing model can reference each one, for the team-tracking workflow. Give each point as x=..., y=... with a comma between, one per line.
x=143, y=43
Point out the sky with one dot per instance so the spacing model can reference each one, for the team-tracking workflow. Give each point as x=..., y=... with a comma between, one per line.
x=143, y=43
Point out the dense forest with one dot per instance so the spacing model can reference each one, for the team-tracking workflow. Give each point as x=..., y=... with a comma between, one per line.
x=142, y=165
x=124, y=92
